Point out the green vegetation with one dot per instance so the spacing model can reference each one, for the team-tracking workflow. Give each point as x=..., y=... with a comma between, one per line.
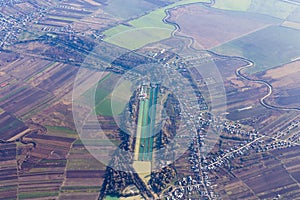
x=37, y=195
x=104, y=108
x=184, y=2
x=40, y=72
x=270, y=47
x=146, y=29
x=130, y=9
x=114, y=103
x=13, y=93
x=96, y=142
x=111, y=197
x=61, y=131
x=138, y=37
x=13, y=124
x=62, y=18
x=117, y=29
x=60, y=128
x=79, y=156
x=272, y=8
x=100, y=92
x=7, y=188
x=241, y=5
x=153, y=19
x=109, y=99
x=146, y=122
x=80, y=189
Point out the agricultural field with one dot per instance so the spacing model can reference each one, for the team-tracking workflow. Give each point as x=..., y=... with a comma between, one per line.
x=78, y=170
x=136, y=38
x=254, y=179
x=258, y=47
x=42, y=162
x=10, y=126
x=144, y=30
x=67, y=13
x=8, y=171
x=117, y=101
x=285, y=82
x=295, y=16
x=36, y=85
x=274, y=8
x=228, y=25
x=242, y=5
x=43, y=46
x=131, y=9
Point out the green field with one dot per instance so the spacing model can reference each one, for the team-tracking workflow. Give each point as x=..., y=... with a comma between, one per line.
x=114, y=103
x=130, y=9
x=270, y=47
x=241, y=5
x=116, y=30
x=274, y=8
x=99, y=91
x=146, y=122
x=111, y=198
x=79, y=155
x=37, y=195
x=62, y=18
x=60, y=128
x=109, y=99
x=136, y=38
x=145, y=30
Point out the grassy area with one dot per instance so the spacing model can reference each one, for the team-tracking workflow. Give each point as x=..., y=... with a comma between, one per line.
x=13, y=124
x=138, y=37
x=108, y=96
x=270, y=47
x=79, y=155
x=241, y=5
x=108, y=197
x=272, y=8
x=146, y=121
x=60, y=128
x=7, y=188
x=96, y=142
x=101, y=91
x=37, y=195
x=114, y=103
x=130, y=9
x=62, y=18
x=82, y=164
x=153, y=19
x=61, y=131
x=80, y=188
x=116, y=30
x=145, y=30
x=138, y=131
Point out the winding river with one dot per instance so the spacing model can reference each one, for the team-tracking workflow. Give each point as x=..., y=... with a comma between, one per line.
x=238, y=71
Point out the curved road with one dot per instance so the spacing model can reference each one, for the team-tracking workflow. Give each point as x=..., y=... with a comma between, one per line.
x=238, y=71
